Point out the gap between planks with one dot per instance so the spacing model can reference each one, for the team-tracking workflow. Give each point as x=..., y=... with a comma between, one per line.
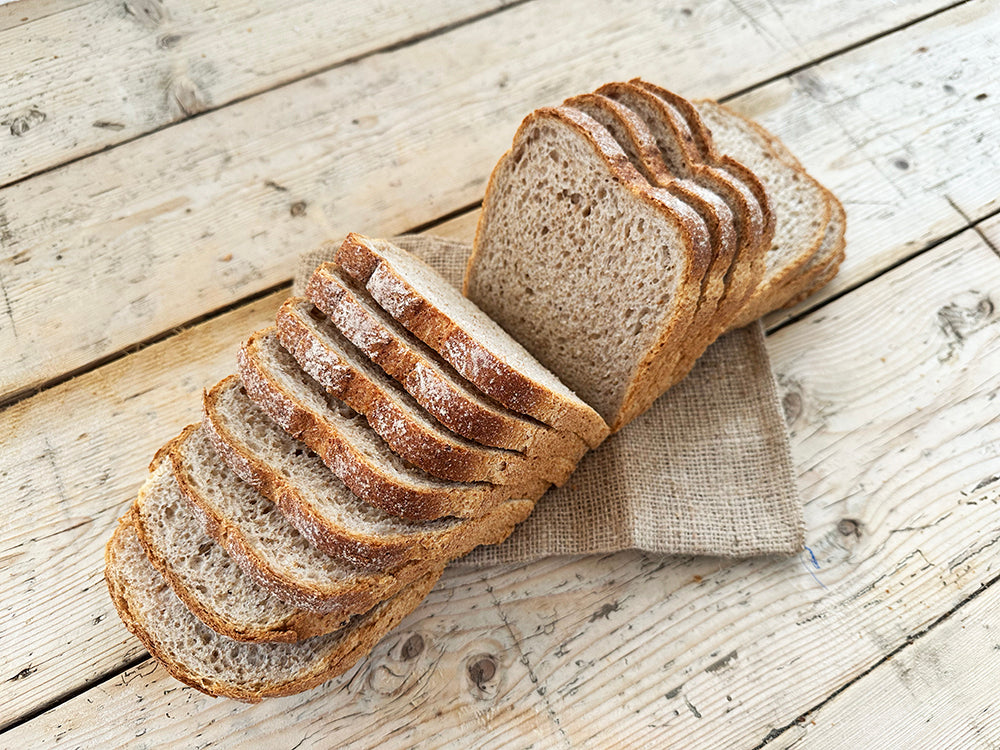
x=774, y=734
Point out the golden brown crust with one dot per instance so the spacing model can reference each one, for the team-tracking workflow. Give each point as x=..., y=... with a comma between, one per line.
x=433, y=389
x=471, y=358
x=383, y=552
x=433, y=451
x=363, y=474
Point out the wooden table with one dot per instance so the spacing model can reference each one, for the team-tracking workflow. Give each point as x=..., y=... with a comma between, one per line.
x=162, y=164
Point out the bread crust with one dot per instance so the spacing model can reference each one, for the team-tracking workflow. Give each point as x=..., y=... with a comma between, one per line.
x=361, y=473
x=386, y=409
x=334, y=656
x=435, y=388
x=473, y=359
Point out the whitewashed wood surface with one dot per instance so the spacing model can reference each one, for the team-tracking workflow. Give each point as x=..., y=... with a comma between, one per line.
x=889, y=378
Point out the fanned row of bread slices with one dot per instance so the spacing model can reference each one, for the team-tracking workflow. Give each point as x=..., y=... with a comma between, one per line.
x=386, y=424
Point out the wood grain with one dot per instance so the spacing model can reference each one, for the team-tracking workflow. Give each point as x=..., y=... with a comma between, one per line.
x=96, y=74
x=125, y=244
x=939, y=693
x=893, y=435
x=87, y=75
x=901, y=131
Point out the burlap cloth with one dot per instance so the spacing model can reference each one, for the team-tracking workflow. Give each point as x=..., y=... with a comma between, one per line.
x=706, y=471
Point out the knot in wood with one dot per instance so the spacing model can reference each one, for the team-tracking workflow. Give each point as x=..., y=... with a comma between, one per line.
x=482, y=668
x=849, y=527
x=412, y=647
x=298, y=208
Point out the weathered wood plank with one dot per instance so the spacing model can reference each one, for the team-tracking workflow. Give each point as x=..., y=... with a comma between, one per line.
x=79, y=77
x=939, y=693
x=902, y=130
x=893, y=434
x=98, y=74
x=73, y=457
x=125, y=244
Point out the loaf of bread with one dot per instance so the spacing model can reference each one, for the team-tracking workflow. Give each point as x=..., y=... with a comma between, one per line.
x=388, y=424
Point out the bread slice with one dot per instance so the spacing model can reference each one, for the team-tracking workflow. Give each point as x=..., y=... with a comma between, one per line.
x=209, y=582
x=800, y=204
x=253, y=531
x=347, y=374
x=329, y=515
x=606, y=322
x=434, y=384
x=638, y=142
x=353, y=451
x=221, y=666
x=744, y=191
x=469, y=340
x=686, y=143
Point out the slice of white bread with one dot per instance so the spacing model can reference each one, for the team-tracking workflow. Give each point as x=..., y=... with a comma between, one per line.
x=801, y=206
x=347, y=374
x=214, y=664
x=469, y=340
x=434, y=384
x=209, y=582
x=353, y=450
x=596, y=272
x=638, y=142
x=254, y=532
x=330, y=516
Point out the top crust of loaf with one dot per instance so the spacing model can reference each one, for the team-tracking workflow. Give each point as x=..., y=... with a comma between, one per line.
x=471, y=342
x=622, y=395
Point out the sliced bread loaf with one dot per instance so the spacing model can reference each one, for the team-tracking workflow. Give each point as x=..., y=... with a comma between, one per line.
x=217, y=665
x=347, y=374
x=604, y=322
x=353, y=451
x=330, y=516
x=434, y=383
x=638, y=142
x=209, y=582
x=253, y=531
x=469, y=340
